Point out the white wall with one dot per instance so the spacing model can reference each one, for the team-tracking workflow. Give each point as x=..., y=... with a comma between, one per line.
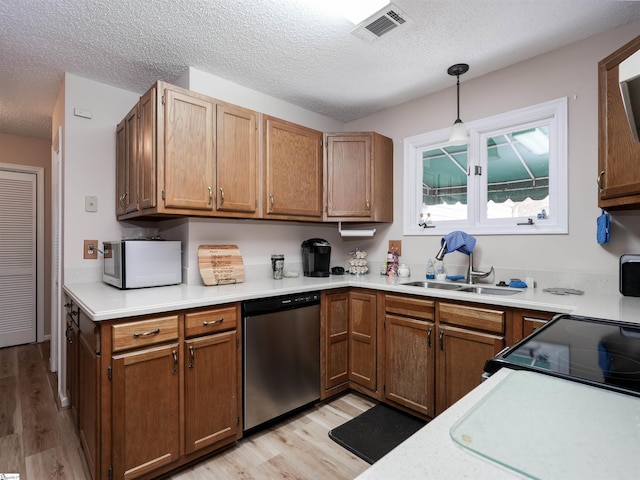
x=227, y=91
x=89, y=168
x=567, y=72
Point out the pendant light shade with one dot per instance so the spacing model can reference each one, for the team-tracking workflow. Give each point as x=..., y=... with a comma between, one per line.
x=458, y=130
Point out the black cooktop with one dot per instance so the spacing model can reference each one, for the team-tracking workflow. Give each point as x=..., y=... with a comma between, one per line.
x=595, y=351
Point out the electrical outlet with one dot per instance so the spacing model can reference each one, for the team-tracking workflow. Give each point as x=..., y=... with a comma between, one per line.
x=90, y=249
x=395, y=246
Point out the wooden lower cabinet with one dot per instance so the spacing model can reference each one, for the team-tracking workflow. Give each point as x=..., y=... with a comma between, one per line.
x=166, y=390
x=409, y=356
x=211, y=390
x=363, y=338
x=89, y=402
x=409, y=363
x=145, y=412
x=468, y=336
x=462, y=354
x=349, y=343
x=334, y=343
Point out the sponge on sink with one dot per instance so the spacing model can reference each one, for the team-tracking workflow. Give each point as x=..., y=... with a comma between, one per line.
x=517, y=284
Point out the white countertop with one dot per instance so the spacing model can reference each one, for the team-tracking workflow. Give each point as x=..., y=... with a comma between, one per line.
x=595, y=435
x=104, y=302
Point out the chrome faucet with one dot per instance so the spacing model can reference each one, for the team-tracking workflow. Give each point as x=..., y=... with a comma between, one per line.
x=472, y=275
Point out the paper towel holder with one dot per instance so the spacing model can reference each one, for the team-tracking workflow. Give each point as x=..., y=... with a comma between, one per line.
x=355, y=233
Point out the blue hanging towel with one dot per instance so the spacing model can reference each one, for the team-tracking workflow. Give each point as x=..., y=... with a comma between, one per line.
x=460, y=241
x=603, y=226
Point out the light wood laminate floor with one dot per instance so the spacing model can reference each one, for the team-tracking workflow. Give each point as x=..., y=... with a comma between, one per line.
x=38, y=440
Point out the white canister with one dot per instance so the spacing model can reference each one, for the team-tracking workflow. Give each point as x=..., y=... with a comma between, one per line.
x=403, y=271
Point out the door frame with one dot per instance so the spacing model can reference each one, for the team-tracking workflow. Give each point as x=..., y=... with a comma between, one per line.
x=40, y=240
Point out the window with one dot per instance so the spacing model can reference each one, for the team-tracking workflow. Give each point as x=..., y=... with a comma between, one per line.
x=510, y=179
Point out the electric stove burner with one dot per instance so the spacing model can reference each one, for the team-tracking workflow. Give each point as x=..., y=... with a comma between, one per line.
x=594, y=351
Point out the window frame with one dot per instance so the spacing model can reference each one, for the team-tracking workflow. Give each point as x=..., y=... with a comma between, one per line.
x=552, y=113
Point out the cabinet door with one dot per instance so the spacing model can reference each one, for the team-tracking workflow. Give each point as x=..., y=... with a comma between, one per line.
x=236, y=159
x=89, y=403
x=146, y=413
x=188, y=151
x=71, y=334
x=127, y=164
x=147, y=173
x=293, y=170
x=461, y=357
x=349, y=175
x=362, y=339
x=618, y=153
x=410, y=363
x=334, y=341
x=211, y=390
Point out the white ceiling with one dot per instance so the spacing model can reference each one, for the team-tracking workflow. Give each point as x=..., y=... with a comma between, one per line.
x=288, y=49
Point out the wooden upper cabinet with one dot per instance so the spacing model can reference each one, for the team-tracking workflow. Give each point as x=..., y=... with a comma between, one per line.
x=236, y=160
x=618, y=153
x=359, y=177
x=127, y=157
x=188, y=150
x=146, y=172
x=293, y=171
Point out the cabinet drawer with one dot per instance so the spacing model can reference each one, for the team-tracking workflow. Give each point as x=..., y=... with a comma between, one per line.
x=211, y=321
x=413, y=307
x=141, y=333
x=472, y=317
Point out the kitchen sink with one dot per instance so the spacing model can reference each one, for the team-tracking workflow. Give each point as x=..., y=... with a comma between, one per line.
x=443, y=286
x=463, y=288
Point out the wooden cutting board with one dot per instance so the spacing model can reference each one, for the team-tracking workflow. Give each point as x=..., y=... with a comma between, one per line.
x=220, y=264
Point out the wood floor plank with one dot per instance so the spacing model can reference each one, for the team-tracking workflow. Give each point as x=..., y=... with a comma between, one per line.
x=8, y=362
x=11, y=455
x=56, y=463
x=10, y=422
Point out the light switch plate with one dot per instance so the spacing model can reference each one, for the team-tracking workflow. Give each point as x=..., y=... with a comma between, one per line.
x=90, y=203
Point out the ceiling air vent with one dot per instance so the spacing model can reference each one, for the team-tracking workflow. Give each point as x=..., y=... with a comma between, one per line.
x=382, y=22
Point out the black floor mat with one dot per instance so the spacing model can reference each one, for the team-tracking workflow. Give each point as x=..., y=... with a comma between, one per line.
x=374, y=433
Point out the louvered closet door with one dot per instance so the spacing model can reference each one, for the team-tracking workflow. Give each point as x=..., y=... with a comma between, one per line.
x=17, y=258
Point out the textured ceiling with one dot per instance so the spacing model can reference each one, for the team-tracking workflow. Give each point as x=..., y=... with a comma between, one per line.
x=289, y=49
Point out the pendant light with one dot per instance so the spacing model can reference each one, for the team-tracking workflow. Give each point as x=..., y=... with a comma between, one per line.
x=458, y=130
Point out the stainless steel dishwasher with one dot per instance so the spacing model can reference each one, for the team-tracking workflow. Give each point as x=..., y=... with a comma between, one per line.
x=281, y=367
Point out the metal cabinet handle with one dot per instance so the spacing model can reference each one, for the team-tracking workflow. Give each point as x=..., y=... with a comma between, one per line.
x=146, y=334
x=210, y=195
x=213, y=322
x=368, y=206
x=441, y=340
x=271, y=202
x=221, y=196
x=121, y=200
x=192, y=356
x=429, y=337
x=175, y=362
x=599, y=181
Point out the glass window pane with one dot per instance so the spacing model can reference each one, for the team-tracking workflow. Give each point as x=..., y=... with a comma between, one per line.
x=518, y=174
x=444, y=184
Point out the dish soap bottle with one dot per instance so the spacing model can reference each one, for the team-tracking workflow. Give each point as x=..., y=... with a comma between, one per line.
x=431, y=272
x=441, y=273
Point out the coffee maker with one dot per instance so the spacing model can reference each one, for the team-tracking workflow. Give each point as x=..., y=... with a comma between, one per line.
x=316, y=257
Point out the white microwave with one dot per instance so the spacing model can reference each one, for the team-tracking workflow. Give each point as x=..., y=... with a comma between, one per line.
x=142, y=263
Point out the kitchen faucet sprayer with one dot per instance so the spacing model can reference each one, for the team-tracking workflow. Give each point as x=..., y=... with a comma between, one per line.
x=443, y=250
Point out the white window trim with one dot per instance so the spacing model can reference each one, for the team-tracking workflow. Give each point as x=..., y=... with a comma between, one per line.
x=558, y=223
